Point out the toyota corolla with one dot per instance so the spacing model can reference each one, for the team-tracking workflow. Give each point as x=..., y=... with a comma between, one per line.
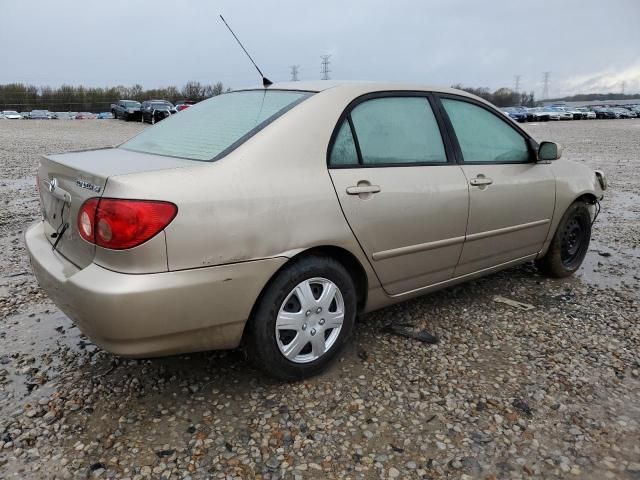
x=272, y=217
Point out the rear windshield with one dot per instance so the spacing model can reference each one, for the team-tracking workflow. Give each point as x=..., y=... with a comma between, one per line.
x=210, y=129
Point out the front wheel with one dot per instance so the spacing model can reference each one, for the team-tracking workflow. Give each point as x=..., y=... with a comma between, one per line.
x=303, y=319
x=569, y=244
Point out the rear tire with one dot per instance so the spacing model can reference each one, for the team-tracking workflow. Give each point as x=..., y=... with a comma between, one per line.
x=570, y=243
x=320, y=327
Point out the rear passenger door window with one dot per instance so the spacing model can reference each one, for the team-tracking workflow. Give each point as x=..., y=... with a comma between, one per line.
x=397, y=131
x=484, y=137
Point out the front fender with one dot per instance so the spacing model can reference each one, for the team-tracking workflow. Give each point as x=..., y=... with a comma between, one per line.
x=574, y=180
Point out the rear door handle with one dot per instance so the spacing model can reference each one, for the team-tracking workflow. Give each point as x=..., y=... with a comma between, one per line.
x=360, y=189
x=481, y=181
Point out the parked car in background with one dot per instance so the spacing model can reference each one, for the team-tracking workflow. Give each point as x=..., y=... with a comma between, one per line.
x=604, y=113
x=104, y=115
x=635, y=109
x=25, y=115
x=537, y=114
x=39, y=115
x=85, y=116
x=155, y=110
x=515, y=113
x=182, y=104
x=126, y=109
x=65, y=115
x=562, y=114
x=622, y=113
x=543, y=112
x=577, y=114
x=11, y=115
x=251, y=218
x=586, y=113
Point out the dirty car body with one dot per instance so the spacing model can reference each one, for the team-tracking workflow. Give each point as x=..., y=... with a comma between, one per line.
x=173, y=241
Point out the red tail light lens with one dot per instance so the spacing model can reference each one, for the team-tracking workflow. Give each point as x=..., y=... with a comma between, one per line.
x=119, y=224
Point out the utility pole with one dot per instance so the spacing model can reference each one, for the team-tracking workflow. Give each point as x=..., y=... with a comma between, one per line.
x=623, y=85
x=545, y=85
x=517, y=82
x=294, y=72
x=325, y=66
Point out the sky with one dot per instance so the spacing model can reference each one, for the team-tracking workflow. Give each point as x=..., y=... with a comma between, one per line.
x=586, y=45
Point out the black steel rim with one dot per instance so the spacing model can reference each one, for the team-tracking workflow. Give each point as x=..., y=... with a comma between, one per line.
x=573, y=246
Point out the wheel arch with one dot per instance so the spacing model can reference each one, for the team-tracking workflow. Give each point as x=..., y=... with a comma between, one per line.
x=588, y=197
x=348, y=260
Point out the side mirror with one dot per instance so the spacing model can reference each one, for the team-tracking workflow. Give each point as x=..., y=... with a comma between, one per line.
x=549, y=151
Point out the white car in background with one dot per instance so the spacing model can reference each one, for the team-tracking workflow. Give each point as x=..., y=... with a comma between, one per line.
x=11, y=115
x=586, y=113
x=539, y=114
x=562, y=114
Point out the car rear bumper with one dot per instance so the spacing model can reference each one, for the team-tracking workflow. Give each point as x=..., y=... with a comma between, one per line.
x=143, y=315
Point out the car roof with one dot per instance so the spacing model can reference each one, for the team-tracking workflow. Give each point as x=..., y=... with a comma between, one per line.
x=361, y=87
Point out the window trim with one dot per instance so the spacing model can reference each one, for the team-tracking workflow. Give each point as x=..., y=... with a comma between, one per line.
x=346, y=116
x=532, y=145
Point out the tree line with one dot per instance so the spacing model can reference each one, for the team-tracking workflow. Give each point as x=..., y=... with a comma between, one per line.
x=23, y=98
x=502, y=97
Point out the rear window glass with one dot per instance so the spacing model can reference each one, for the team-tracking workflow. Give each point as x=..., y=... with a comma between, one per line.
x=209, y=129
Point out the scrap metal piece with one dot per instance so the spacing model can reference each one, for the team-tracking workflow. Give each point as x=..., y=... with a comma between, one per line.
x=513, y=303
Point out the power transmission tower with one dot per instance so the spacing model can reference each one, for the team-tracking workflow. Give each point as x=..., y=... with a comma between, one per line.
x=294, y=72
x=545, y=83
x=517, y=82
x=325, y=66
x=623, y=85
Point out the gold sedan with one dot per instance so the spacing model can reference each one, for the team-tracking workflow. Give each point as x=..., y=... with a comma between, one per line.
x=271, y=217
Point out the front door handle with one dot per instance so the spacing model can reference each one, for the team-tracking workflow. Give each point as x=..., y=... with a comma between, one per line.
x=360, y=189
x=481, y=181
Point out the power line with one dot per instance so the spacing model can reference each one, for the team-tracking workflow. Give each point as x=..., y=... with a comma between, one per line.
x=325, y=66
x=294, y=72
x=517, y=82
x=545, y=85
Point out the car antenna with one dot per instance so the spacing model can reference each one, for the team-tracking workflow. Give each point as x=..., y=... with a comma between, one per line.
x=265, y=81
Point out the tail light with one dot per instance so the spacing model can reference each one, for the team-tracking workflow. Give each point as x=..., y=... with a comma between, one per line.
x=119, y=224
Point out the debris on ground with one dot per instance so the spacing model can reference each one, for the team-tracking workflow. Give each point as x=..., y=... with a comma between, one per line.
x=409, y=331
x=513, y=303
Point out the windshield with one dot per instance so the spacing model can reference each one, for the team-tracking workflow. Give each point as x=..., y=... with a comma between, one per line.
x=10, y=112
x=209, y=129
x=131, y=104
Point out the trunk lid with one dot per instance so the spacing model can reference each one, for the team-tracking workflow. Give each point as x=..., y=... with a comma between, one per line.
x=67, y=180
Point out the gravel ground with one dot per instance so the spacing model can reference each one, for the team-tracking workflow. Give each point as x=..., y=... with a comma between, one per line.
x=550, y=392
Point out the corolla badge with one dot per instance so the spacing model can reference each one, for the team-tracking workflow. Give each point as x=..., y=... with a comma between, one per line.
x=88, y=185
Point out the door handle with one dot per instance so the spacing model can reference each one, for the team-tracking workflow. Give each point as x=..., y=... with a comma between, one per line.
x=481, y=181
x=360, y=189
